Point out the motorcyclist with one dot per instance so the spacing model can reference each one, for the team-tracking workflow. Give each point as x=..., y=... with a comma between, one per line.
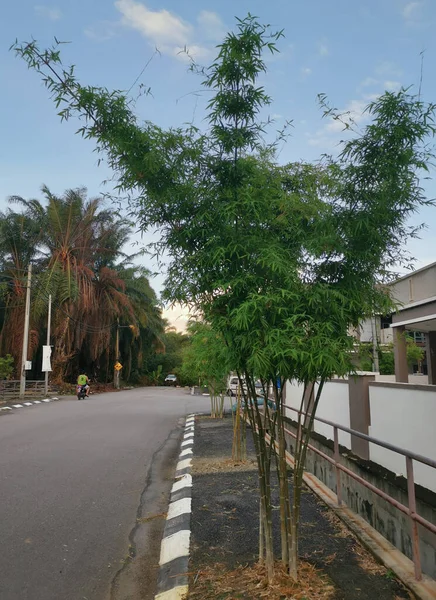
x=83, y=381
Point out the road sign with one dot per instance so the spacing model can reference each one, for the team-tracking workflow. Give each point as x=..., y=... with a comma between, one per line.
x=118, y=366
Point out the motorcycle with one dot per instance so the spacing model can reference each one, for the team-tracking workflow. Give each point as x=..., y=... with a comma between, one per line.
x=81, y=392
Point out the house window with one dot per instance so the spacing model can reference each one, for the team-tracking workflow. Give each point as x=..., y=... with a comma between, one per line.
x=386, y=322
x=418, y=337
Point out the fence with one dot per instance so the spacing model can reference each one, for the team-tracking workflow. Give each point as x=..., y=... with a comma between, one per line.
x=401, y=414
x=409, y=457
x=10, y=390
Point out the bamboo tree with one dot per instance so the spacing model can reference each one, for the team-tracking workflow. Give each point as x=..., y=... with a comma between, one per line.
x=280, y=259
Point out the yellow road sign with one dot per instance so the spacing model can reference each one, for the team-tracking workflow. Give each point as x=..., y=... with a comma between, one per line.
x=118, y=366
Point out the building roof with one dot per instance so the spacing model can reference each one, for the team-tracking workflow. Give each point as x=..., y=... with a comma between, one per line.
x=412, y=273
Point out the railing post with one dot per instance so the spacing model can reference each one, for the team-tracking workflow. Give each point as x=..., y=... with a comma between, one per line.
x=338, y=472
x=413, y=523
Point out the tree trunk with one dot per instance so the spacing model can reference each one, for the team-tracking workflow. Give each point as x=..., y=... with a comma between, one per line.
x=303, y=439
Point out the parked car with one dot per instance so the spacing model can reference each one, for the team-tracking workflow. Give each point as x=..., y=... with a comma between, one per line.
x=170, y=379
x=232, y=386
x=259, y=388
x=259, y=401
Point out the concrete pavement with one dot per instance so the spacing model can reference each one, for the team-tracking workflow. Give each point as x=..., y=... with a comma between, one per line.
x=81, y=484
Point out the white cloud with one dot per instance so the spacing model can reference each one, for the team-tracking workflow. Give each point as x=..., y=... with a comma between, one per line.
x=323, y=49
x=327, y=136
x=412, y=11
x=161, y=27
x=49, y=12
x=306, y=71
x=391, y=86
x=188, y=52
x=169, y=33
x=211, y=25
x=388, y=69
x=368, y=82
x=105, y=30
x=353, y=112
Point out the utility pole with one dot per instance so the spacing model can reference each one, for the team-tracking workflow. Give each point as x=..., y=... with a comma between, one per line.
x=26, y=335
x=117, y=355
x=376, y=366
x=48, y=339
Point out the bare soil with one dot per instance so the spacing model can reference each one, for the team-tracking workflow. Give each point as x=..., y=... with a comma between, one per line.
x=224, y=565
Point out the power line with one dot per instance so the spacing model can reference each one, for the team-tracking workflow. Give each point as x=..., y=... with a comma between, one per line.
x=87, y=327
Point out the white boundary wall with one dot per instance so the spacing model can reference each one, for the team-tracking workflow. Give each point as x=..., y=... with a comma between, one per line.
x=294, y=393
x=406, y=418
x=333, y=406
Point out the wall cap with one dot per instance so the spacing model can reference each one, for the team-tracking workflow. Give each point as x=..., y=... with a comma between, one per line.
x=407, y=386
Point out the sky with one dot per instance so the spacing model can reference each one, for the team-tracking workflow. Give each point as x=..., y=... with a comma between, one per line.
x=349, y=50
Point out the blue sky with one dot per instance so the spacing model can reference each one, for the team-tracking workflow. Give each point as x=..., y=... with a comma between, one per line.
x=350, y=51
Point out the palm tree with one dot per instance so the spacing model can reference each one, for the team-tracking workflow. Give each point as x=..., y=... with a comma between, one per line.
x=19, y=237
x=77, y=246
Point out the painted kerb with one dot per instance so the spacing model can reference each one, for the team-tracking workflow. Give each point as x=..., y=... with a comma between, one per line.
x=174, y=554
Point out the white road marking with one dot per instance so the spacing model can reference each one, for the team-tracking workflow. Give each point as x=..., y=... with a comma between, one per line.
x=184, y=481
x=28, y=404
x=46, y=400
x=6, y=408
x=183, y=464
x=17, y=405
x=188, y=442
x=179, y=507
x=178, y=593
x=189, y=434
x=37, y=402
x=185, y=452
x=175, y=546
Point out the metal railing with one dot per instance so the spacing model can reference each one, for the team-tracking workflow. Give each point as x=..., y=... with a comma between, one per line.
x=10, y=389
x=409, y=510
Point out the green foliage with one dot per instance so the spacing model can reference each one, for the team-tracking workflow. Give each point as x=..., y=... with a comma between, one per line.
x=170, y=357
x=206, y=358
x=415, y=353
x=6, y=366
x=280, y=260
x=386, y=362
x=76, y=247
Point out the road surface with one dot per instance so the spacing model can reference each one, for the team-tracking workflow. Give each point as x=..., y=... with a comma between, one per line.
x=83, y=489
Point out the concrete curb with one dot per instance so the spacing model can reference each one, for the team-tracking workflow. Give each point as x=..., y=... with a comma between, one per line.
x=26, y=404
x=174, y=554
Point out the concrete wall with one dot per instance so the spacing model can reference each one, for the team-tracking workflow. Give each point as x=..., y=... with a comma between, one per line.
x=294, y=393
x=366, y=331
x=381, y=515
x=404, y=415
x=386, y=336
x=417, y=379
x=419, y=286
x=401, y=414
x=334, y=406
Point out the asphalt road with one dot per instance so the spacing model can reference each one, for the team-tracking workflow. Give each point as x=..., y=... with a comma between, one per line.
x=76, y=478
